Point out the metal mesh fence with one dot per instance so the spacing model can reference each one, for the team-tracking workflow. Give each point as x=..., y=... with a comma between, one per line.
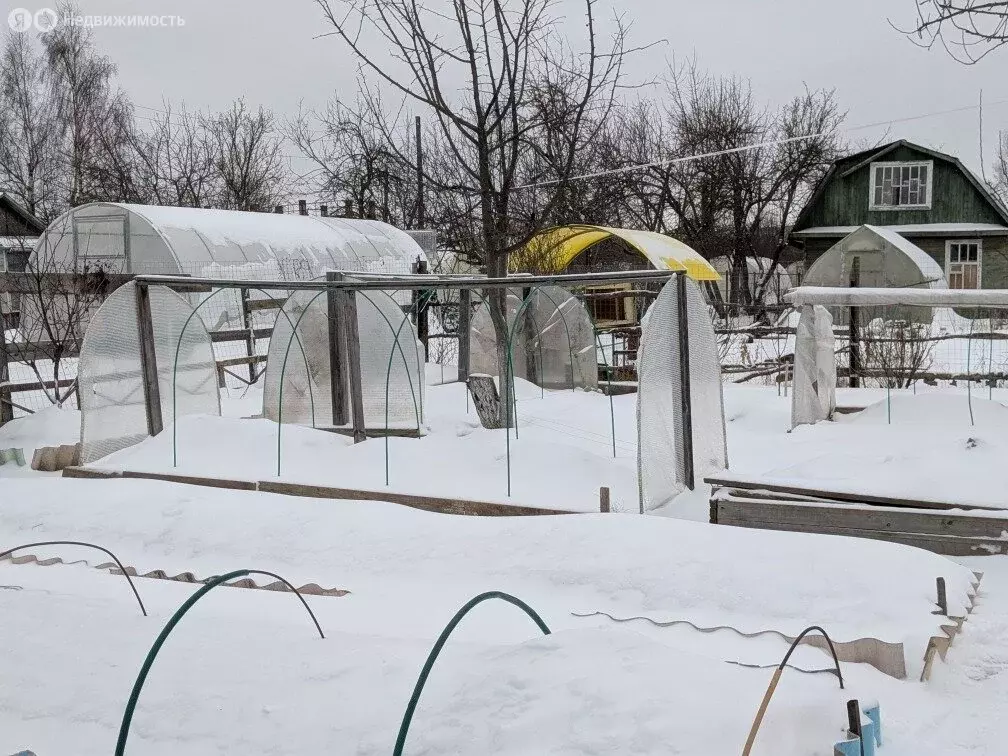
x=661, y=451
x=112, y=399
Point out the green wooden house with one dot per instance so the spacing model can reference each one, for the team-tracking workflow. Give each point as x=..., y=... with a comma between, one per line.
x=927, y=197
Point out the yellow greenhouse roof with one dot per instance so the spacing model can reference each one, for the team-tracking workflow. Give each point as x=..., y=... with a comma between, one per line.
x=553, y=250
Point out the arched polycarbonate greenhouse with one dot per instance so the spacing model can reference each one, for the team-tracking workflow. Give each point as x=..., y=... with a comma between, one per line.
x=124, y=238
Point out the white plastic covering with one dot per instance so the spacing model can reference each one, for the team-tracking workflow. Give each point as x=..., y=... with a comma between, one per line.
x=172, y=240
x=814, y=396
x=660, y=453
x=385, y=332
x=553, y=344
x=886, y=259
x=113, y=414
x=483, y=340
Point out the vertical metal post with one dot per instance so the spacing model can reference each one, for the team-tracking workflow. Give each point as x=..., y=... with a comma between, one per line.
x=6, y=408
x=348, y=311
x=250, y=341
x=338, y=377
x=148, y=360
x=464, y=326
x=684, y=377
x=421, y=306
x=421, y=210
x=854, y=329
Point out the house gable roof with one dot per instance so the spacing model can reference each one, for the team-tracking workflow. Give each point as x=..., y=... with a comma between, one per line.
x=852, y=163
x=14, y=207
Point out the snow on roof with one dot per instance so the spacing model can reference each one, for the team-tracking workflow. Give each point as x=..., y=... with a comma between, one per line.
x=931, y=270
x=912, y=229
x=356, y=240
x=18, y=242
x=156, y=239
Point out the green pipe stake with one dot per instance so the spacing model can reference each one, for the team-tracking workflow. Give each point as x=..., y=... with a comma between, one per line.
x=175, y=619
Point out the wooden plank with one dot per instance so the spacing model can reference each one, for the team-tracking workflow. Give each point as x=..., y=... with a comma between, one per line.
x=724, y=481
x=684, y=381
x=90, y=473
x=947, y=545
x=239, y=334
x=444, y=505
x=271, y=303
x=338, y=378
x=13, y=387
x=148, y=361
x=464, y=327
x=29, y=283
x=348, y=311
x=250, y=339
x=742, y=510
x=235, y=361
x=194, y=480
x=41, y=350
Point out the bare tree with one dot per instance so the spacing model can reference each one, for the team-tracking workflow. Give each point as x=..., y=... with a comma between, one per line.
x=29, y=133
x=967, y=29
x=246, y=157
x=82, y=85
x=502, y=50
x=354, y=163
x=1001, y=166
x=56, y=310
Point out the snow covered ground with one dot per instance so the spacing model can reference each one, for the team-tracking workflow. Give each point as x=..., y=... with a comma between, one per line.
x=244, y=672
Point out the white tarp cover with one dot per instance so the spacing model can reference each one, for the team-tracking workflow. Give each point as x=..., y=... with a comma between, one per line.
x=223, y=243
x=113, y=412
x=814, y=396
x=385, y=333
x=483, y=340
x=552, y=345
x=660, y=453
x=559, y=340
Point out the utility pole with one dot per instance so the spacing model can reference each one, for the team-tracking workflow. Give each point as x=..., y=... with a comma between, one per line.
x=421, y=219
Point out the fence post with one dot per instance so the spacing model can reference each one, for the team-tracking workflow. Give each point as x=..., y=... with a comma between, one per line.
x=420, y=306
x=148, y=360
x=250, y=341
x=854, y=329
x=338, y=378
x=6, y=397
x=464, y=326
x=684, y=377
x=348, y=311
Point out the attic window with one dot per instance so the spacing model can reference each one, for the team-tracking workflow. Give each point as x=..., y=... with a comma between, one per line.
x=901, y=186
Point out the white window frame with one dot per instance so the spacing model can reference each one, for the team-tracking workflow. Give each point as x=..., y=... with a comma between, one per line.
x=979, y=260
x=929, y=164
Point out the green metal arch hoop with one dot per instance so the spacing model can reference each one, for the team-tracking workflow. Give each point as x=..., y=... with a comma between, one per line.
x=439, y=644
x=178, y=347
x=163, y=636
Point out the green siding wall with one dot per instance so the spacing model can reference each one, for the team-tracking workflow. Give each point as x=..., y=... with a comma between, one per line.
x=954, y=198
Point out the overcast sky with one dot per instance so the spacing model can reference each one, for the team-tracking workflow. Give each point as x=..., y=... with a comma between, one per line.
x=269, y=52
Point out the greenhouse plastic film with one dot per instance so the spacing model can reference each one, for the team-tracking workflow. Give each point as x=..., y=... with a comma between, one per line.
x=814, y=395
x=660, y=452
x=552, y=344
x=113, y=410
x=384, y=331
x=559, y=340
